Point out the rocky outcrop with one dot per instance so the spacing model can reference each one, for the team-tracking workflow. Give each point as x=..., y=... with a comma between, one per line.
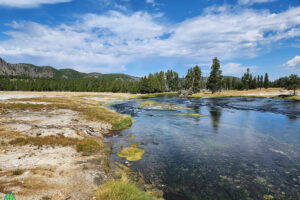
x=25, y=69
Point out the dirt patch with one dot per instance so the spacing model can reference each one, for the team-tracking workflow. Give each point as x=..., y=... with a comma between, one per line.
x=41, y=153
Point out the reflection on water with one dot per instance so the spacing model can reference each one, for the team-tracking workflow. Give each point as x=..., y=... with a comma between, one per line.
x=215, y=114
x=245, y=148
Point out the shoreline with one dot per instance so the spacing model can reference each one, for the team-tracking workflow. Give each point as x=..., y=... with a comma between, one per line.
x=78, y=116
x=273, y=93
x=52, y=141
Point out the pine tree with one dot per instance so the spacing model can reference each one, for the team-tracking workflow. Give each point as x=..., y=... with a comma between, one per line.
x=266, y=81
x=246, y=80
x=162, y=82
x=197, y=79
x=189, y=79
x=261, y=82
x=215, y=79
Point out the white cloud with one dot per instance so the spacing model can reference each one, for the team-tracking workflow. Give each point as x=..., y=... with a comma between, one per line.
x=106, y=42
x=151, y=2
x=251, y=2
x=293, y=64
x=236, y=68
x=29, y=3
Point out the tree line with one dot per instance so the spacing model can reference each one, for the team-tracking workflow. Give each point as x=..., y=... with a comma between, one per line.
x=254, y=82
x=169, y=81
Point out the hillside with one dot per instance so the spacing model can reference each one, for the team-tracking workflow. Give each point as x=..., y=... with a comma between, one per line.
x=23, y=69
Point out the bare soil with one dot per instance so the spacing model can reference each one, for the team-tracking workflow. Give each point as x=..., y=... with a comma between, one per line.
x=49, y=172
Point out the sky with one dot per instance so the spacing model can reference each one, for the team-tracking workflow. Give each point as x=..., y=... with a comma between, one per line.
x=138, y=37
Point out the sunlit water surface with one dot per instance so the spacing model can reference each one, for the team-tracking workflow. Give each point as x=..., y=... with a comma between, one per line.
x=245, y=148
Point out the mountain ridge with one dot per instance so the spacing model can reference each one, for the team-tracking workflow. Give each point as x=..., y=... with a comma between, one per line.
x=30, y=70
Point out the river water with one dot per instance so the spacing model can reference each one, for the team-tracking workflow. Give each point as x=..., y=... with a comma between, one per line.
x=245, y=148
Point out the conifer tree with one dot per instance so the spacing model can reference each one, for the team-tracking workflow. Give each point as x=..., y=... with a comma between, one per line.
x=266, y=81
x=197, y=79
x=215, y=78
x=189, y=79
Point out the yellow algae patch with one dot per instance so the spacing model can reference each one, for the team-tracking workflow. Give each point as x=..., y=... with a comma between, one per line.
x=132, y=153
x=268, y=197
x=149, y=103
x=182, y=114
x=197, y=115
x=163, y=106
x=193, y=115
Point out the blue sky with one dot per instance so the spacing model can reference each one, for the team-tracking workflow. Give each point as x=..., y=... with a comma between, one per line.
x=142, y=36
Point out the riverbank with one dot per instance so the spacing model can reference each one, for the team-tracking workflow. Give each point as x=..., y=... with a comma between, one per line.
x=257, y=93
x=53, y=142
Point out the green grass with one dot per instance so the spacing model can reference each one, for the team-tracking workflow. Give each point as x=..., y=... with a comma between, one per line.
x=89, y=146
x=121, y=190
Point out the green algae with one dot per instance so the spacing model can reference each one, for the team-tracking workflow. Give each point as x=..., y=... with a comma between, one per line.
x=268, y=197
x=131, y=153
x=182, y=114
x=162, y=106
x=192, y=115
x=197, y=115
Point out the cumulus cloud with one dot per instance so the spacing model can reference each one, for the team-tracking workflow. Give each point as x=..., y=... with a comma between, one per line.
x=251, y=2
x=293, y=64
x=29, y=3
x=105, y=42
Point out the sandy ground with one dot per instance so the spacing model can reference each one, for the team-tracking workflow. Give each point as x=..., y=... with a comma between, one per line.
x=56, y=173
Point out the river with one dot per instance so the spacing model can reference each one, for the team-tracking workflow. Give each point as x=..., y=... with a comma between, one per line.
x=244, y=148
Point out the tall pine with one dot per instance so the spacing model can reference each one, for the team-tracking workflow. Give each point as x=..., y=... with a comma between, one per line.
x=215, y=78
x=197, y=79
x=266, y=81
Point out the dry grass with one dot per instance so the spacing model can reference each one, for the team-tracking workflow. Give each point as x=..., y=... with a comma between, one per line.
x=152, y=95
x=45, y=141
x=86, y=146
x=90, y=109
x=259, y=93
x=89, y=146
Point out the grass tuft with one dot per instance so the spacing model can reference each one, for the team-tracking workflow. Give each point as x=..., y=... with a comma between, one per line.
x=89, y=146
x=47, y=140
x=121, y=190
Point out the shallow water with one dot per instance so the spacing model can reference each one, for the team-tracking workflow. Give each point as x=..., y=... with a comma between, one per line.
x=244, y=149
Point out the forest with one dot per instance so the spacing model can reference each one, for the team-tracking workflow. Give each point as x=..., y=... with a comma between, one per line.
x=161, y=81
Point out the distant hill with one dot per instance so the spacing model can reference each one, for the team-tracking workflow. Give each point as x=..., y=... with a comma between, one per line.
x=23, y=69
